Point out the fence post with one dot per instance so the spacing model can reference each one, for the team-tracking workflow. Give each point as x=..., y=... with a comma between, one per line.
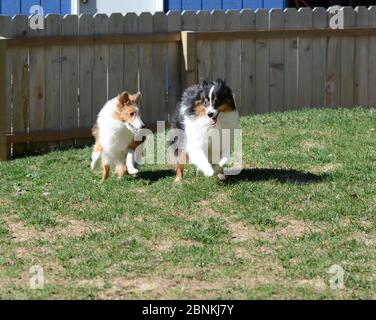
x=3, y=100
x=190, y=56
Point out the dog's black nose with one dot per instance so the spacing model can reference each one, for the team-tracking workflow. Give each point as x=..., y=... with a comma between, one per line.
x=210, y=114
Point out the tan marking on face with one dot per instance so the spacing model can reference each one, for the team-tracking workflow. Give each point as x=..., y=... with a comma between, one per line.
x=226, y=107
x=200, y=109
x=127, y=107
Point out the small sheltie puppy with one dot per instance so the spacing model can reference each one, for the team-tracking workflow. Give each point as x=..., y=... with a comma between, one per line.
x=117, y=124
x=204, y=109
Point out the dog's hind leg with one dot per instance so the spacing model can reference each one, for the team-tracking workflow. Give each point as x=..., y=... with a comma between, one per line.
x=106, y=172
x=179, y=172
x=96, y=155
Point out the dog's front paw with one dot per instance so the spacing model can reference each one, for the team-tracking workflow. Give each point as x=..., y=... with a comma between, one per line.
x=221, y=176
x=133, y=171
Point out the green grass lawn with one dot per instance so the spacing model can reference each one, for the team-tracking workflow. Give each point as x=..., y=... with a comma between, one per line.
x=305, y=201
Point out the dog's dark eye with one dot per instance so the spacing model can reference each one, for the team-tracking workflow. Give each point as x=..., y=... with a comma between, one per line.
x=131, y=114
x=206, y=102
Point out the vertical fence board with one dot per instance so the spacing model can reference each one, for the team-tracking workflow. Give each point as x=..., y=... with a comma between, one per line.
x=233, y=53
x=147, y=81
x=304, y=60
x=53, y=78
x=131, y=56
x=100, y=69
x=69, y=78
x=86, y=59
x=6, y=31
x=361, y=59
x=20, y=84
x=218, y=48
x=291, y=62
x=116, y=57
x=333, y=70
x=189, y=23
x=174, y=62
x=319, y=48
x=372, y=60
x=347, y=61
x=37, y=94
x=160, y=67
x=277, y=66
x=3, y=101
x=247, y=101
x=262, y=64
x=203, y=48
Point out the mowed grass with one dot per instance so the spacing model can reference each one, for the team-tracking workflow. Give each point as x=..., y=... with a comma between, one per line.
x=305, y=201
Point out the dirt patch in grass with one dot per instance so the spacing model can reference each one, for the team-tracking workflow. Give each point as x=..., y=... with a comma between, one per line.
x=158, y=287
x=167, y=244
x=72, y=228
x=311, y=145
x=326, y=168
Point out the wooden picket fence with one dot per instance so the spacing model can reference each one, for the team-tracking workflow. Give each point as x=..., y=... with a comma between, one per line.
x=54, y=81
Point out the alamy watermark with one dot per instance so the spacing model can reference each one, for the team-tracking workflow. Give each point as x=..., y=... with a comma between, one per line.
x=36, y=277
x=337, y=281
x=37, y=18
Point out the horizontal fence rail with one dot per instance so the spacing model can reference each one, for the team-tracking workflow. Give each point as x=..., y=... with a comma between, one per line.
x=53, y=82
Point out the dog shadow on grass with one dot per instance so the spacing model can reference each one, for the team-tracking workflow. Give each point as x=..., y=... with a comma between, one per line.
x=281, y=175
x=154, y=176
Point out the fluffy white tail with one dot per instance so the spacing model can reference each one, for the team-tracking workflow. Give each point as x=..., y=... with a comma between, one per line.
x=95, y=157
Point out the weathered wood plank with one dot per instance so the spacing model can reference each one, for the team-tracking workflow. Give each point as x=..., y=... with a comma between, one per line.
x=6, y=31
x=276, y=63
x=203, y=48
x=291, y=62
x=347, y=61
x=233, y=55
x=53, y=78
x=319, y=48
x=248, y=66
x=189, y=23
x=3, y=101
x=100, y=69
x=372, y=60
x=69, y=79
x=305, y=60
x=87, y=117
x=174, y=62
x=116, y=57
x=160, y=67
x=361, y=59
x=333, y=70
x=37, y=94
x=131, y=55
x=218, y=48
x=147, y=75
x=262, y=64
x=20, y=84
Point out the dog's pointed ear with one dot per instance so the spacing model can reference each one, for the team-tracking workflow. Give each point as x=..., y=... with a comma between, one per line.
x=221, y=82
x=138, y=97
x=124, y=98
x=203, y=83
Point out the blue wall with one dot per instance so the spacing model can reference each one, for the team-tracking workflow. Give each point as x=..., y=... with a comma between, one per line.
x=12, y=7
x=181, y=5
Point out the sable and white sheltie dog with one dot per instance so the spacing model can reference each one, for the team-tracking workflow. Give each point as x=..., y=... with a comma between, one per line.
x=203, y=109
x=114, y=132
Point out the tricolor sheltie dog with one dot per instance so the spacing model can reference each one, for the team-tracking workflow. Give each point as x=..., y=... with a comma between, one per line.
x=204, y=111
x=114, y=133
